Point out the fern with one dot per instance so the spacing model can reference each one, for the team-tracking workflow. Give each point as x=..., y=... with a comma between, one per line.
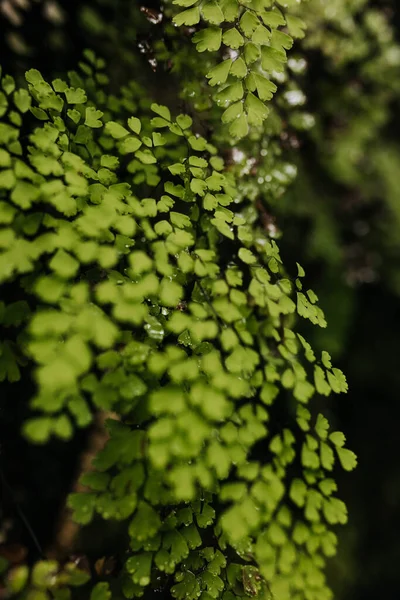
x=252, y=45
x=152, y=293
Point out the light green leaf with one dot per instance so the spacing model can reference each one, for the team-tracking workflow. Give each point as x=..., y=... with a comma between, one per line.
x=248, y=23
x=273, y=18
x=296, y=26
x=188, y=17
x=185, y=3
x=233, y=112
x=38, y=430
x=75, y=95
x=251, y=52
x=327, y=456
x=116, y=130
x=230, y=93
x=130, y=144
x=257, y=112
x=239, y=68
x=239, y=128
x=261, y=35
x=347, y=458
x=184, y=121
x=212, y=12
x=170, y=293
x=321, y=385
x=247, y=256
x=265, y=87
x=162, y=111
x=338, y=439
x=272, y=59
x=92, y=117
x=322, y=427
x=64, y=265
x=22, y=100
x=219, y=74
x=208, y=39
x=298, y=492
x=233, y=38
x=101, y=591
x=134, y=125
x=281, y=41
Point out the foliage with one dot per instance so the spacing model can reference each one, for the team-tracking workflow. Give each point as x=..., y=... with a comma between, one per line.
x=354, y=145
x=152, y=288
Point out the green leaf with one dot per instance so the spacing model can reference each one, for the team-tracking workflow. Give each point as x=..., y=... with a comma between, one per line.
x=257, y=112
x=7, y=179
x=146, y=157
x=208, y=39
x=184, y=121
x=298, y=492
x=230, y=93
x=239, y=128
x=212, y=12
x=22, y=100
x=230, y=8
x=261, y=35
x=170, y=293
x=92, y=117
x=188, y=17
x=134, y=125
x=273, y=18
x=130, y=144
x=248, y=23
x=272, y=59
x=219, y=73
x=347, y=458
x=116, y=130
x=145, y=524
x=265, y=87
x=38, y=430
x=162, y=111
x=233, y=112
x=43, y=573
x=74, y=115
x=101, y=591
x=296, y=26
x=75, y=96
x=233, y=38
x=247, y=256
x=239, y=68
x=139, y=567
x=158, y=139
x=185, y=3
x=280, y=40
x=327, y=456
x=322, y=427
x=269, y=392
x=64, y=265
x=321, y=385
x=5, y=158
x=338, y=439
x=251, y=52
x=62, y=427
x=33, y=76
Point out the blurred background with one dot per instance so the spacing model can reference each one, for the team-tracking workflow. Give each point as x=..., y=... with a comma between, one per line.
x=340, y=218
